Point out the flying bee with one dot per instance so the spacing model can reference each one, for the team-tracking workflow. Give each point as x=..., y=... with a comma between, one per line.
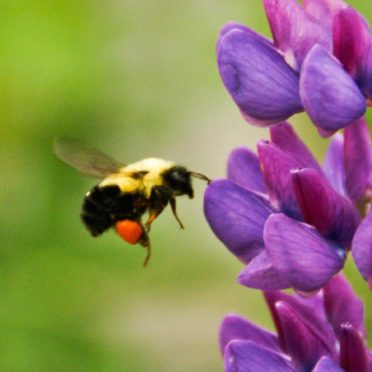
x=126, y=192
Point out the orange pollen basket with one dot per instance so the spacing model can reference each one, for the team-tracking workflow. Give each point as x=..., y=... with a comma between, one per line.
x=130, y=231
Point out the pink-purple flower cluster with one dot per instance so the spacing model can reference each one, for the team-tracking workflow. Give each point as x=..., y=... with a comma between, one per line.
x=322, y=333
x=319, y=61
x=290, y=220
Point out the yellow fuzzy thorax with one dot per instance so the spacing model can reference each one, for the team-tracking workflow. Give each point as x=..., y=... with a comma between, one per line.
x=128, y=181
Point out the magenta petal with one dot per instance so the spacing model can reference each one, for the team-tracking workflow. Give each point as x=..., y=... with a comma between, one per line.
x=353, y=351
x=342, y=305
x=244, y=169
x=362, y=248
x=287, y=140
x=300, y=253
x=301, y=343
x=334, y=164
x=235, y=327
x=358, y=158
x=352, y=42
x=311, y=312
x=294, y=31
x=247, y=356
x=333, y=215
x=260, y=274
x=324, y=10
x=276, y=166
x=237, y=217
x=326, y=364
x=330, y=96
x=260, y=82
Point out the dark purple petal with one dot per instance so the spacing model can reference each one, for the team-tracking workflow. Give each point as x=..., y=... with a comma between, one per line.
x=276, y=166
x=311, y=312
x=246, y=356
x=260, y=82
x=326, y=364
x=287, y=140
x=342, y=305
x=237, y=216
x=235, y=327
x=353, y=351
x=330, y=96
x=352, y=40
x=334, y=216
x=244, y=169
x=260, y=274
x=334, y=165
x=294, y=31
x=300, y=253
x=362, y=248
x=301, y=343
x=358, y=158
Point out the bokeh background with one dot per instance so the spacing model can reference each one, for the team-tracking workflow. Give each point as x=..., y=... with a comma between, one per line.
x=135, y=78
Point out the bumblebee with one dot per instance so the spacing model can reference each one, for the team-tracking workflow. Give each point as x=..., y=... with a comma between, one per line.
x=126, y=192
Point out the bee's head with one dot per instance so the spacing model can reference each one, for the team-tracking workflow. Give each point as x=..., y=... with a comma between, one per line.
x=178, y=178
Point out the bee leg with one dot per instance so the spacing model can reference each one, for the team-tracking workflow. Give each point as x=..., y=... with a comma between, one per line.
x=160, y=196
x=151, y=219
x=173, y=206
x=145, y=242
x=147, y=258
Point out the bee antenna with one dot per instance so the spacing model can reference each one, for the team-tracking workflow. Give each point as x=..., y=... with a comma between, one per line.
x=201, y=177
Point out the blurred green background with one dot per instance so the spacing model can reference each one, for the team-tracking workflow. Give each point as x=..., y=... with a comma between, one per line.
x=136, y=79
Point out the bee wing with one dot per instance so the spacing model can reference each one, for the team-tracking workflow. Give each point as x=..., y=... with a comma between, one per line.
x=84, y=158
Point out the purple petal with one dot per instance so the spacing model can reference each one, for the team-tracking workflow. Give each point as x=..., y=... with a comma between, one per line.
x=358, y=158
x=301, y=343
x=362, y=248
x=260, y=274
x=231, y=26
x=287, y=140
x=330, y=96
x=342, y=305
x=352, y=41
x=295, y=32
x=334, y=216
x=260, y=82
x=244, y=169
x=300, y=253
x=311, y=312
x=326, y=364
x=237, y=217
x=235, y=327
x=353, y=351
x=276, y=169
x=334, y=166
x=246, y=356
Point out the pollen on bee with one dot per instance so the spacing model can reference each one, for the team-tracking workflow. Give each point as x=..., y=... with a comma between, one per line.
x=130, y=231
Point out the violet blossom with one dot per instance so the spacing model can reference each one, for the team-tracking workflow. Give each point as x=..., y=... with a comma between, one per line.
x=319, y=333
x=290, y=221
x=320, y=61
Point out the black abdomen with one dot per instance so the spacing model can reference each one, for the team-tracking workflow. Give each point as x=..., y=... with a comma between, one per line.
x=104, y=206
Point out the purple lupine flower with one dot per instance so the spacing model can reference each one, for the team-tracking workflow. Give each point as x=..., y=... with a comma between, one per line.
x=281, y=214
x=272, y=80
x=319, y=333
